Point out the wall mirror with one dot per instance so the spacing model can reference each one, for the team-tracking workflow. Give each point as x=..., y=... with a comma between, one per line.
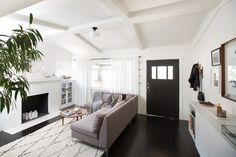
x=228, y=69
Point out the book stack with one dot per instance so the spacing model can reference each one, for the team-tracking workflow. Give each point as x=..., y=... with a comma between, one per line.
x=68, y=113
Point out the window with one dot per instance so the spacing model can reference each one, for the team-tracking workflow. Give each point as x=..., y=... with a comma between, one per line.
x=170, y=72
x=162, y=72
x=101, y=74
x=154, y=72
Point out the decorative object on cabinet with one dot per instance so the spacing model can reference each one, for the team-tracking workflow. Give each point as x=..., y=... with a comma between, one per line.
x=215, y=79
x=67, y=93
x=220, y=112
x=215, y=57
x=228, y=69
x=207, y=104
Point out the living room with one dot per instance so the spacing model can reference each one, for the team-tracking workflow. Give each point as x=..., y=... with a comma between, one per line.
x=144, y=50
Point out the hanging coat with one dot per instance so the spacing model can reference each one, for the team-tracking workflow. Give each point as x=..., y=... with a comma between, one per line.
x=194, y=78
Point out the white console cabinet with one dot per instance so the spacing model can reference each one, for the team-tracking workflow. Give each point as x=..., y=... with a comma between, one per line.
x=209, y=139
x=67, y=93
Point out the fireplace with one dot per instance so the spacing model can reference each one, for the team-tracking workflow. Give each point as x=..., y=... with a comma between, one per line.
x=34, y=107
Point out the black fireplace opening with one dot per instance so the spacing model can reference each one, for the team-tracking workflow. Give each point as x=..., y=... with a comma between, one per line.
x=34, y=107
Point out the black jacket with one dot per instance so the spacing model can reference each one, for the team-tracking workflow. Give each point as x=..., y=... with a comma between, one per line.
x=194, y=79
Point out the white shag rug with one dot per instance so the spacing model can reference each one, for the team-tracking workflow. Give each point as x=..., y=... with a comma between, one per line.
x=53, y=140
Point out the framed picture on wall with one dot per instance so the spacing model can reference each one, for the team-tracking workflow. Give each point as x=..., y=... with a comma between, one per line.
x=228, y=53
x=215, y=57
x=215, y=79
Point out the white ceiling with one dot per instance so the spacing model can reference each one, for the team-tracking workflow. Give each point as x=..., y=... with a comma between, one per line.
x=111, y=38
x=171, y=31
x=68, y=12
x=123, y=24
x=10, y=6
x=135, y=5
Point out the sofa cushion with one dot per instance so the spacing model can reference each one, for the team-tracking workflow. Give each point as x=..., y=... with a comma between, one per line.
x=91, y=124
x=84, y=126
x=107, y=97
x=97, y=121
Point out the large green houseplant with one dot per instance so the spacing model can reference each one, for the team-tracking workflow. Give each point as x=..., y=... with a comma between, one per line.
x=17, y=51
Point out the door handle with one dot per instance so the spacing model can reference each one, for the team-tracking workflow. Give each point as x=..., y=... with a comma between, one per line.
x=148, y=87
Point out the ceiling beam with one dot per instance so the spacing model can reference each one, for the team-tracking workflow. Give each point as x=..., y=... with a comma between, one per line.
x=117, y=7
x=123, y=12
x=24, y=18
x=172, y=10
x=135, y=36
x=88, y=43
x=97, y=23
x=157, y=13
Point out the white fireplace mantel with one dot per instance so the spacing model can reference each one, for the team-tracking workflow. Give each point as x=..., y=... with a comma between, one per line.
x=10, y=122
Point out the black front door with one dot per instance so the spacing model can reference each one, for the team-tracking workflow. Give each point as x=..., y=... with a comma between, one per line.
x=163, y=88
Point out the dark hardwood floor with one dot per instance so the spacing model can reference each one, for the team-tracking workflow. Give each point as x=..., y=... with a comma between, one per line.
x=145, y=137
x=154, y=137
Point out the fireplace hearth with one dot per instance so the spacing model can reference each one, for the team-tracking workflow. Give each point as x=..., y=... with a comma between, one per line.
x=34, y=107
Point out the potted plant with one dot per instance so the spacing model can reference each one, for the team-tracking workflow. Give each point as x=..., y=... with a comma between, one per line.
x=17, y=51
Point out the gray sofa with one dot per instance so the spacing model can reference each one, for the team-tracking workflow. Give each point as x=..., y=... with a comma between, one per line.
x=114, y=121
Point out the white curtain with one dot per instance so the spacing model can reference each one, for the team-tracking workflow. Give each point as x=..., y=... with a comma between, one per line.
x=125, y=75
x=81, y=72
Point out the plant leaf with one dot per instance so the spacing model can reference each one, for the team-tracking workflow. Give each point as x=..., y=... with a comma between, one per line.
x=31, y=18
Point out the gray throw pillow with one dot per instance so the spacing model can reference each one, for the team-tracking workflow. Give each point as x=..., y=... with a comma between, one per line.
x=97, y=122
x=114, y=101
x=107, y=97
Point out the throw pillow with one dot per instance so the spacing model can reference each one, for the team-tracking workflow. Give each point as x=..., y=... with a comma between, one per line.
x=103, y=105
x=97, y=122
x=114, y=101
x=107, y=97
x=122, y=97
x=118, y=103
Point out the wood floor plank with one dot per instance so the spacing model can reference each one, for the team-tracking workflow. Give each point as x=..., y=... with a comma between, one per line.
x=154, y=137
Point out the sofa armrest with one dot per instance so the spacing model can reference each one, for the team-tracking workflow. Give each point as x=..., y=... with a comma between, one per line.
x=113, y=124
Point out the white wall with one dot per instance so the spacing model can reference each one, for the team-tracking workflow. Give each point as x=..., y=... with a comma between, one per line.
x=182, y=53
x=53, y=57
x=219, y=27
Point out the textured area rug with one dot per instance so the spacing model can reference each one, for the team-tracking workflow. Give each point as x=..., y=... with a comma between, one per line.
x=53, y=140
